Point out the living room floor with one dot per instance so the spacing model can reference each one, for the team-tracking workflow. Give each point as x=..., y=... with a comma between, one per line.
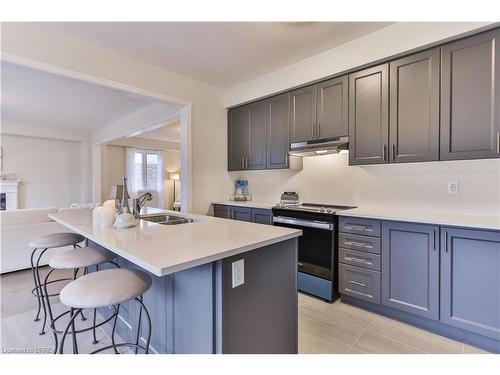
x=336, y=328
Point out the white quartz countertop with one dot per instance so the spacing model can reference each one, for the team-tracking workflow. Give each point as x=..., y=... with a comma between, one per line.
x=428, y=217
x=251, y=204
x=164, y=249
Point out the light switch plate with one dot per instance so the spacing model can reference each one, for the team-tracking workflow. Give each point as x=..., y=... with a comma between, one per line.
x=453, y=187
x=238, y=268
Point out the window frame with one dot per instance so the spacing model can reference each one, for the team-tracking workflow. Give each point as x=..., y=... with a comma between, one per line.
x=144, y=162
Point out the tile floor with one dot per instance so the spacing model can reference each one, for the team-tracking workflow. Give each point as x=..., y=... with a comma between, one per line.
x=336, y=328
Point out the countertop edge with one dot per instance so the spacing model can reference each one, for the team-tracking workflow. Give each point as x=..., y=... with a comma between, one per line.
x=249, y=204
x=422, y=220
x=178, y=267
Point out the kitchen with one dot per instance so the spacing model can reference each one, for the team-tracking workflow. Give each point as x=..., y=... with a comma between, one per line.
x=329, y=206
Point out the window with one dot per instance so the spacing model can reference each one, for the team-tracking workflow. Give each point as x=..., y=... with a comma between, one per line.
x=146, y=165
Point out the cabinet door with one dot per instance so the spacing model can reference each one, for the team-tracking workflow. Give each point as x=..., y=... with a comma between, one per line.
x=414, y=108
x=410, y=268
x=256, y=156
x=262, y=216
x=303, y=114
x=369, y=116
x=241, y=213
x=278, y=126
x=238, y=121
x=470, y=280
x=222, y=211
x=332, y=108
x=470, y=98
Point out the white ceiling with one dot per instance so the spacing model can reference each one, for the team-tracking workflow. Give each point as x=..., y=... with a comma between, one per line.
x=34, y=97
x=168, y=133
x=222, y=54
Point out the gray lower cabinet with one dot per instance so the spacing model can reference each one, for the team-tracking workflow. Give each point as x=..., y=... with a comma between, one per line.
x=255, y=215
x=410, y=268
x=222, y=211
x=359, y=282
x=369, y=115
x=332, y=99
x=262, y=216
x=303, y=114
x=241, y=213
x=414, y=107
x=470, y=280
x=470, y=97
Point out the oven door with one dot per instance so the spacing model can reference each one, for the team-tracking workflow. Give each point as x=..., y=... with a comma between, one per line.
x=315, y=245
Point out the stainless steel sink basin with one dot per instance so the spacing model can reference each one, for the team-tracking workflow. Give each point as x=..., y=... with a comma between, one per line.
x=166, y=219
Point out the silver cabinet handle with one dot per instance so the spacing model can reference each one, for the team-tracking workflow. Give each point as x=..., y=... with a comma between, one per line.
x=384, y=152
x=498, y=142
x=445, y=241
x=359, y=227
x=356, y=283
x=358, y=260
x=312, y=130
x=358, y=244
x=242, y=163
x=318, y=130
x=247, y=164
x=393, y=151
x=434, y=240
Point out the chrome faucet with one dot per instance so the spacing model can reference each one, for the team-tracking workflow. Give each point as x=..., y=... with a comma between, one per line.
x=139, y=203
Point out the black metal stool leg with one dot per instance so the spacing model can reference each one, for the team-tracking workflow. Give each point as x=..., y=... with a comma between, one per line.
x=49, y=308
x=138, y=327
x=148, y=318
x=95, y=313
x=37, y=272
x=37, y=317
x=73, y=315
x=114, y=329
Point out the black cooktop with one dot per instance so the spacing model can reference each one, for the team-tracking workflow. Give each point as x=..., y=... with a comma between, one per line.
x=312, y=211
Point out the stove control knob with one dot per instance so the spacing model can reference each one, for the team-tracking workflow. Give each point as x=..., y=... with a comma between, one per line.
x=328, y=210
x=322, y=209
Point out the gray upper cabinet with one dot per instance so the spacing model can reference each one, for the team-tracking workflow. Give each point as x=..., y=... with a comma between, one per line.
x=278, y=138
x=303, y=114
x=256, y=154
x=414, y=107
x=410, y=268
x=332, y=98
x=470, y=98
x=470, y=280
x=238, y=120
x=369, y=116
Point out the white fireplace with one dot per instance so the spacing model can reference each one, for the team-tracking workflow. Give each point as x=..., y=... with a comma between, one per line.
x=9, y=195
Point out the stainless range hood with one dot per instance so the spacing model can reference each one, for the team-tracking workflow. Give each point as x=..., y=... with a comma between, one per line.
x=319, y=147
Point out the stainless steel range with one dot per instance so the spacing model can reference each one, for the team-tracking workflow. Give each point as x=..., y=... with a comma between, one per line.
x=318, y=254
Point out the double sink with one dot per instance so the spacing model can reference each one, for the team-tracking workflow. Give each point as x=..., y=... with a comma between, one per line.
x=166, y=219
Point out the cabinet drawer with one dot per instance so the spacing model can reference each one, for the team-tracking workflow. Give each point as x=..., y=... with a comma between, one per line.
x=359, y=283
x=359, y=225
x=359, y=243
x=222, y=211
x=360, y=259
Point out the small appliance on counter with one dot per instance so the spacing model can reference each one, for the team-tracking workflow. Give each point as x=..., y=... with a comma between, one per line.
x=241, y=191
x=318, y=252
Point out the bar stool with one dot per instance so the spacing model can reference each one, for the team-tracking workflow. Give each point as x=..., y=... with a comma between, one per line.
x=81, y=258
x=111, y=288
x=42, y=244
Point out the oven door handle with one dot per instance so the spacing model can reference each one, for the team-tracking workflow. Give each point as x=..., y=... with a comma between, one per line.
x=303, y=223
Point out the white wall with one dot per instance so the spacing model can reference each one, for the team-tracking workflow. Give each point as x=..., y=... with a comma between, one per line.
x=51, y=171
x=417, y=186
x=329, y=179
x=210, y=180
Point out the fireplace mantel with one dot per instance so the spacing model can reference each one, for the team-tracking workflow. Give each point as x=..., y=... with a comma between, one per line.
x=9, y=194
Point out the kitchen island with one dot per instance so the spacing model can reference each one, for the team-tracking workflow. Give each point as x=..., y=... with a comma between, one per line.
x=192, y=302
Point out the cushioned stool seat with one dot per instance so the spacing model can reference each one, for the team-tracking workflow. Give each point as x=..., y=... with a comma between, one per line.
x=51, y=240
x=105, y=288
x=80, y=258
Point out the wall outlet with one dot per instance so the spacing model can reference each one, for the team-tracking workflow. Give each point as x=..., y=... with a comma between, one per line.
x=453, y=187
x=238, y=268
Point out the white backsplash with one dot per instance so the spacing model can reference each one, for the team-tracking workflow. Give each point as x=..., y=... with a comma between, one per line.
x=417, y=186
